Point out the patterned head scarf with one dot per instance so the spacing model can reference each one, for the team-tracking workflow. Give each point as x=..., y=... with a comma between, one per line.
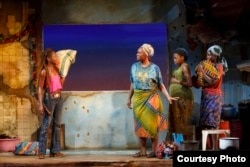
x=215, y=50
x=148, y=49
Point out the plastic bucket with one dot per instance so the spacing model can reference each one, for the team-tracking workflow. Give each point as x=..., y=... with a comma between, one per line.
x=229, y=143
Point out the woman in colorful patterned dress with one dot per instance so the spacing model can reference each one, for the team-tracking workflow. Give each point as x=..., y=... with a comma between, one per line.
x=212, y=95
x=180, y=112
x=147, y=101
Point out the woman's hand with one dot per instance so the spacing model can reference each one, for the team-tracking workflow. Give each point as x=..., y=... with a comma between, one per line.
x=40, y=108
x=130, y=94
x=170, y=99
x=200, y=68
x=129, y=105
x=165, y=92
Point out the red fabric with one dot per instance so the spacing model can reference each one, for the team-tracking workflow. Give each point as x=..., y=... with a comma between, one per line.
x=217, y=87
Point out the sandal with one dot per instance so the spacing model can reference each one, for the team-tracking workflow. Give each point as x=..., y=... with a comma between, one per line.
x=151, y=155
x=139, y=154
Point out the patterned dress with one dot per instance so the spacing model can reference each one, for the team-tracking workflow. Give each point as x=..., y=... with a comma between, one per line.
x=180, y=111
x=211, y=102
x=148, y=107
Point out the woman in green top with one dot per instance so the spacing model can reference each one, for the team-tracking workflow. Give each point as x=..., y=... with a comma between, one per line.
x=180, y=112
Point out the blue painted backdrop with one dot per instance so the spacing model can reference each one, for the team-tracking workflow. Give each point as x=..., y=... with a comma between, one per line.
x=105, y=52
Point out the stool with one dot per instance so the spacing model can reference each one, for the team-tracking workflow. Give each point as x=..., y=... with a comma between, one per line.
x=212, y=131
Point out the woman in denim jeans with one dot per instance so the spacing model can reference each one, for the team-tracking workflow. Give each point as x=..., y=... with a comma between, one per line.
x=50, y=103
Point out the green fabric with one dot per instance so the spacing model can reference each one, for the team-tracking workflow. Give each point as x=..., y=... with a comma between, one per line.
x=149, y=113
x=177, y=89
x=180, y=111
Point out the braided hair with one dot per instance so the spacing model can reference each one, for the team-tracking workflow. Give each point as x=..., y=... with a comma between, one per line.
x=44, y=60
x=46, y=53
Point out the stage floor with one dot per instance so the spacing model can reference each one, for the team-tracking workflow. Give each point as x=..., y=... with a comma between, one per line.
x=84, y=158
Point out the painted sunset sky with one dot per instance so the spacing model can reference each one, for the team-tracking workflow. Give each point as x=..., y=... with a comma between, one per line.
x=106, y=52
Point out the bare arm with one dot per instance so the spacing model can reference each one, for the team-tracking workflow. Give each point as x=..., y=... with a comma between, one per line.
x=187, y=74
x=62, y=80
x=130, y=94
x=165, y=93
x=41, y=90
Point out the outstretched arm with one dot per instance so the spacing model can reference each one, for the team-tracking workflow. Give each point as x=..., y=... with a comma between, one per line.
x=165, y=93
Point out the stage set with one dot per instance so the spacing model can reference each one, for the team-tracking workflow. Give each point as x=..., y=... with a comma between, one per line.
x=79, y=158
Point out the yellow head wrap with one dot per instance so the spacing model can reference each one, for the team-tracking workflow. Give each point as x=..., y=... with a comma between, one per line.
x=148, y=49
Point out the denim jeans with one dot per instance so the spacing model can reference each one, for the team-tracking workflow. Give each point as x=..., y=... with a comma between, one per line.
x=54, y=105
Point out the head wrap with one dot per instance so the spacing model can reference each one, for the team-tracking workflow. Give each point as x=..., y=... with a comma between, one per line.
x=215, y=50
x=148, y=49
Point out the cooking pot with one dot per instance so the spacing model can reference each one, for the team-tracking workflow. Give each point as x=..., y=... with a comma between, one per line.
x=189, y=145
x=229, y=143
